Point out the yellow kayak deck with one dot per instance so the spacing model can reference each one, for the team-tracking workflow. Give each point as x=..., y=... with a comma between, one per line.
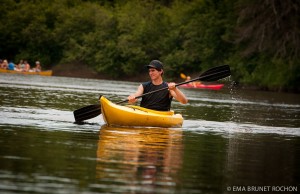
x=117, y=115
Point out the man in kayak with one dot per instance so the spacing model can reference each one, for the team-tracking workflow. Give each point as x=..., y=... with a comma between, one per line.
x=159, y=100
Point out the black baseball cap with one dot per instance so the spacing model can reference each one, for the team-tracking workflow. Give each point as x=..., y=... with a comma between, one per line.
x=156, y=64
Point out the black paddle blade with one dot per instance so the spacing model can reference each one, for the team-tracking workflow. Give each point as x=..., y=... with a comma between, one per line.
x=215, y=73
x=87, y=112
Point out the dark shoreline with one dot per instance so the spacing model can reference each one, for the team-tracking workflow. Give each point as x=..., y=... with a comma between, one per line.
x=83, y=71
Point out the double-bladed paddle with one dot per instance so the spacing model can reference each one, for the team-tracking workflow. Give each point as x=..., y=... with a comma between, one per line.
x=212, y=74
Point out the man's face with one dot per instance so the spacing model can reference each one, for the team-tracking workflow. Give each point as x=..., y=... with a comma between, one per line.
x=154, y=73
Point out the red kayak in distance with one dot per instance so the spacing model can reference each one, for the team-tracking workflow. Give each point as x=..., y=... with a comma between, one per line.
x=202, y=86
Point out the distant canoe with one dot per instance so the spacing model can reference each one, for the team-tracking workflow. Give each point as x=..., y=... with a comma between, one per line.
x=43, y=73
x=203, y=86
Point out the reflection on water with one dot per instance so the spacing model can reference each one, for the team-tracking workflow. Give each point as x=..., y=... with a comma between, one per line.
x=139, y=158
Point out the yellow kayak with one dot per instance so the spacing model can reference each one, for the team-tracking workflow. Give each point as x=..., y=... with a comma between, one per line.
x=117, y=115
x=43, y=73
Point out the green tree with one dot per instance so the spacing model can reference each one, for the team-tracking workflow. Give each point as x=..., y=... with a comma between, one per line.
x=258, y=39
x=200, y=34
x=268, y=44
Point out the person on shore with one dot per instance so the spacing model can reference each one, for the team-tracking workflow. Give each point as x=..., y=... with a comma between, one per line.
x=159, y=100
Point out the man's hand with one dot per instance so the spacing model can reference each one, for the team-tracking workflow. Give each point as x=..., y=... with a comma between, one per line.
x=172, y=86
x=131, y=99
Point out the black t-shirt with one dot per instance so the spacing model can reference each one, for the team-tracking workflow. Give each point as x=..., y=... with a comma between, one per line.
x=157, y=101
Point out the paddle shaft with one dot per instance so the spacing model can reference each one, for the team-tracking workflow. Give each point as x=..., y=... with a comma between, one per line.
x=165, y=88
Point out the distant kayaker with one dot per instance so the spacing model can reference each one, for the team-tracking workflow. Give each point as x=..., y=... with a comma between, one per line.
x=159, y=100
x=194, y=84
x=4, y=64
x=38, y=67
x=27, y=66
x=11, y=66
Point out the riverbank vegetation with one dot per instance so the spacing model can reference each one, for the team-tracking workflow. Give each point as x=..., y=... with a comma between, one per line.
x=259, y=39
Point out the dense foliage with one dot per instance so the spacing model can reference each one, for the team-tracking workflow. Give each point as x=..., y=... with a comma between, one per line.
x=259, y=39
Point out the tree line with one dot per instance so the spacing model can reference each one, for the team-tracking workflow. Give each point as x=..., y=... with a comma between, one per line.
x=259, y=39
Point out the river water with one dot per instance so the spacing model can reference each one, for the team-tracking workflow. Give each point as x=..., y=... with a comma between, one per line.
x=231, y=141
